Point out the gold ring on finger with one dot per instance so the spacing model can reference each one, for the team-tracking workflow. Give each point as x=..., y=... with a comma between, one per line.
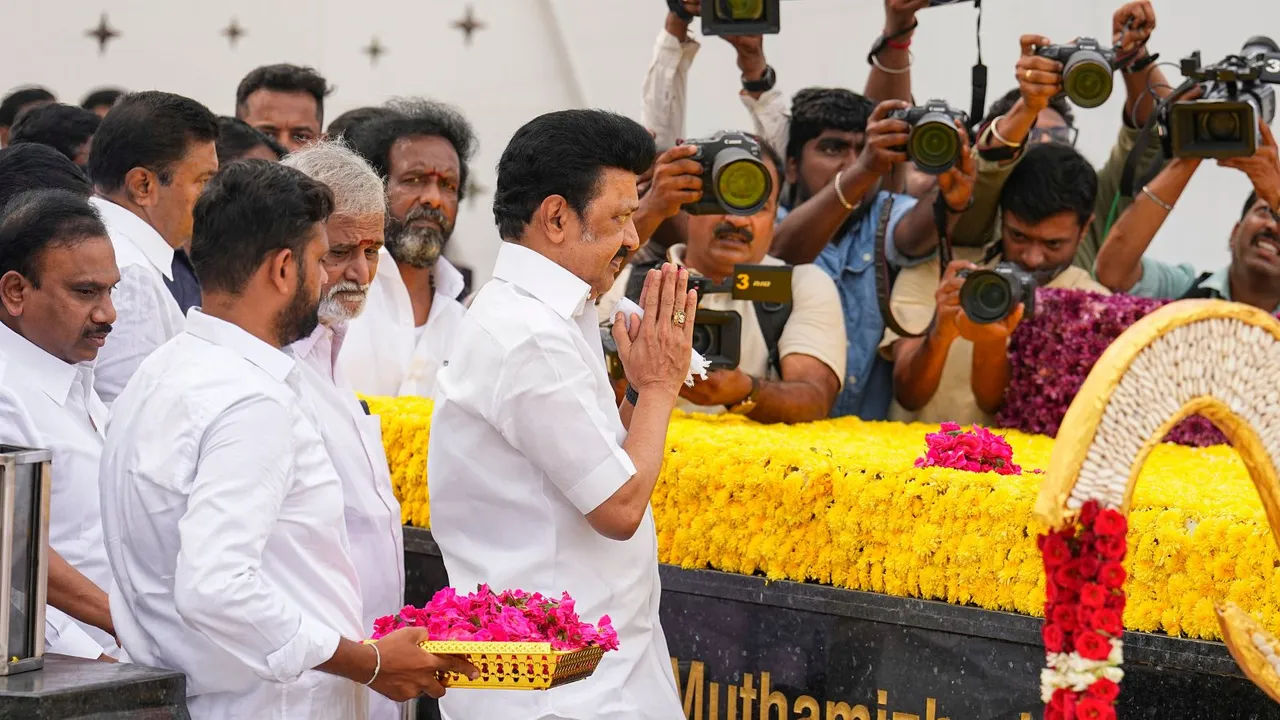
x=1028, y=75
x=678, y=318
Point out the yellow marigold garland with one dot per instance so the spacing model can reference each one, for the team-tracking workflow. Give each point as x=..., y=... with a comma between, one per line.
x=839, y=502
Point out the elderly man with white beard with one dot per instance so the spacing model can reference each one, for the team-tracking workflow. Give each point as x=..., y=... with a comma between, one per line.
x=352, y=437
x=399, y=344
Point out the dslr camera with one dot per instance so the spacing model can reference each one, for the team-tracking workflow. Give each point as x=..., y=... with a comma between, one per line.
x=735, y=180
x=989, y=296
x=1235, y=94
x=717, y=334
x=1087, y=70
x=740, y=17
x=933, y=143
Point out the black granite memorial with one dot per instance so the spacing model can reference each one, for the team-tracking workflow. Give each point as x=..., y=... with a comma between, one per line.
x=748, y=648
x=68, y=688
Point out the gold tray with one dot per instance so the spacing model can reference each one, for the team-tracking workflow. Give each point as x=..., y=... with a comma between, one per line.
x=517, y=665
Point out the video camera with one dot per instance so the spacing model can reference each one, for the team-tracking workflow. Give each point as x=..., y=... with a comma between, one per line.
x=989, y=296
x=934, y=140
x=734, y=177
x=740, y=17
x=1087, y=70
x=1236, y=93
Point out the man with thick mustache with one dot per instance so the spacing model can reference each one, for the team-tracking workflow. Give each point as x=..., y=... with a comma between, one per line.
x=57, y=269
x=790, y=373
x=1253, y=277
x=406, y=333
x=352, y=436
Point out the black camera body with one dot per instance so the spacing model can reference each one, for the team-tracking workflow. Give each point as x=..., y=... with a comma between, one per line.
x=740, y=17
x=1235, y=94
x=933, y=143
x=989, y=296
x=1087, y=70
x=717, y=334
x=735, y=180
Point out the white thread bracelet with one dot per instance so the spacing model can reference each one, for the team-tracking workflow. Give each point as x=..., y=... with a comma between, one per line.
x=377, y=667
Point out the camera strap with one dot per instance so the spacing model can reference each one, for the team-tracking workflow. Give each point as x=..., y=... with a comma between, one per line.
x=885, y=274
x=978, y=102
x=1131, y=183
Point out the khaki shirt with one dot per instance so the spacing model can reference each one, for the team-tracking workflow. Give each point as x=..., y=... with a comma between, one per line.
x=913, y=305
x=815, y=326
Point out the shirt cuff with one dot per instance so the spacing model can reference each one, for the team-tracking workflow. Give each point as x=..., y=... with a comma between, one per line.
x=674, y=52
x=313, y=644
x=602, y=482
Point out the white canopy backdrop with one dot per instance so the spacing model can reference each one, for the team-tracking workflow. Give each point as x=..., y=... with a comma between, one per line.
x=528, y=57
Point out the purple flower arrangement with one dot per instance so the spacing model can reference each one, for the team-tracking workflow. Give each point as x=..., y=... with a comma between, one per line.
x=1052, y=353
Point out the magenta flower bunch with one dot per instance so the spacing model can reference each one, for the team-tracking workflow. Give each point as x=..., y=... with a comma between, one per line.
x=1052, y=353
x=509, y=616
x=979, y=450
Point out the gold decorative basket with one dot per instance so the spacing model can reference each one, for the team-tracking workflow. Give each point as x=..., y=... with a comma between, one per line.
x=517, y=665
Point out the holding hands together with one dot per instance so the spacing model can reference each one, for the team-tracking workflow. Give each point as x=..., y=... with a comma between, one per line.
x=655, y=350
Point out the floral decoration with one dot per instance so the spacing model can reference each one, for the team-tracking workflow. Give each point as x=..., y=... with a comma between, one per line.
x=1084, y=603
x=509, y=616
x=977, y=451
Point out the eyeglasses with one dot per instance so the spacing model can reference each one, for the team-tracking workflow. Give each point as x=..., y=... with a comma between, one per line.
x=1063, y=135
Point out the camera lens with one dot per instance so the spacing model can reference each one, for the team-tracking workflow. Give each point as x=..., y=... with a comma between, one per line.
x=1086, y=79
x=739, y=9
x=986, y=297
x=742, y=182
x=704, y=340
x=1220, y=126
x=934, y=143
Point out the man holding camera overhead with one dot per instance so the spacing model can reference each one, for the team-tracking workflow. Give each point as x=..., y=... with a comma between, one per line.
x=958, y=369
x=791, y=356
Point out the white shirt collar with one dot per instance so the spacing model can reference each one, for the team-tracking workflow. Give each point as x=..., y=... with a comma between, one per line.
x=310, y=344
x=139, y=232
x=273, y=361
x=449, y=280
x=52, y=375
x=542, y=278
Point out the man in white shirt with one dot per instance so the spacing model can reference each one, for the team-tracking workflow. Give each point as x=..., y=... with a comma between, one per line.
x=398, y=345
x=57, y=269
x=538, y=481
x=222, y=512
x=151, y=158
x=353, y=437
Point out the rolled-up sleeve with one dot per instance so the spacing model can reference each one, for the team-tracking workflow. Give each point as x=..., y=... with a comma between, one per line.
x=666, y=88
x=771, y=116
x=573, y=444
x=244, y=475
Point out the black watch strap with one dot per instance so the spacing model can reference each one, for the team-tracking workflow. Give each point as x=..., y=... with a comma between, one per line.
x=677, y=8
x=633, y=396
x=764, y=84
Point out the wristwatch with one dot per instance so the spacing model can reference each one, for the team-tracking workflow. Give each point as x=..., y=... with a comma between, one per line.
x=765, y=83
x=746, y=406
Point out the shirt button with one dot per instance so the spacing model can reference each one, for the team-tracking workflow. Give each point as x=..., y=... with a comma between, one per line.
x=866, y=257
x=853, y=380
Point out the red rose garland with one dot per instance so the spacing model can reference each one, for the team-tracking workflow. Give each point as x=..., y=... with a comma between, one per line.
x=1084, y=605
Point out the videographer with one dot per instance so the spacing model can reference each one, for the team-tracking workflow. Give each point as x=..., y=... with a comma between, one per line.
x=1252, y=277
x=1038, y=113
x=959, y=369
x=790, y=372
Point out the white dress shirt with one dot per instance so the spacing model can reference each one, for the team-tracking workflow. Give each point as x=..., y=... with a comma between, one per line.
x=665, y=95
x=384, y=353
x=146, y=313
x=525, y=441
x=49, y=404
x=224, y=526
x=354, y=441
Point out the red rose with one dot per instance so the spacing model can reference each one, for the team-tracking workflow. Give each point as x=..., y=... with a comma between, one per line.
x=1051, y=592
x=1055, y=550
x=1104, y=690
x=1091, y=708
x=1087, y=568
x=1115, y=601
x=1093, y=595
x=1062, y=706
x=1112, y=575
x=1110, y=524
x=1053, y=637
x=1089, y=513
x=1107, y=621
x=1111, y=547
x=1092, y=646
x=1068, y=577
x=1064, y=616
x=1084, y=617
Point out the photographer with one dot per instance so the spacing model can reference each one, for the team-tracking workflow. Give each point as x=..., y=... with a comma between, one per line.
x=793, y=376
x=1038, y=113
x=959, y=369
x=1253, y=277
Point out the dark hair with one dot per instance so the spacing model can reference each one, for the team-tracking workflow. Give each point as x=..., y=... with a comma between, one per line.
x=1051, y=178
x=37, y=220
x=14, y=102
x=563, y=153
x=816, y=109
x=65, y=128
x=1248, y=204
x=373, y=138
x=149, y=129
x=100, y=97
x=347, y=121
x=1058, y=103
x=250, y=209
x=283, y=78
x=31, y=166
x=237, y=137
